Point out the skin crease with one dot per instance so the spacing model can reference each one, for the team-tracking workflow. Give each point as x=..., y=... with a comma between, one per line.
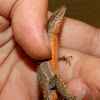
x=20, y=27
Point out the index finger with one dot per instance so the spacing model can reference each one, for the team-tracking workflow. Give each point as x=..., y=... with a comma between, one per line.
x=80, y=36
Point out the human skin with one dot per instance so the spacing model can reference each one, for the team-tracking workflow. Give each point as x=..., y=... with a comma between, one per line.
x=23, y=39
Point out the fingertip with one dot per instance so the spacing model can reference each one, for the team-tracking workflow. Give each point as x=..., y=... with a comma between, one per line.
x=76, y=87
x=80, y=89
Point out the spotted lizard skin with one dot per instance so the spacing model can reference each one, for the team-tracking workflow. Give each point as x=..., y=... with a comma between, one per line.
x=49, y=81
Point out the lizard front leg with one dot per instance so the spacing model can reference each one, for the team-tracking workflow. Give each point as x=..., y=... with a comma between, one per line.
x=66, y=59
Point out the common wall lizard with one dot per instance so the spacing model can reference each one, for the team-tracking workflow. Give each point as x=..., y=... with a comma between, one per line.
x=47, y=71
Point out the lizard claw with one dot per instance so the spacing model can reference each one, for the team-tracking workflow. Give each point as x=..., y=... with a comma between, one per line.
x=65, y=58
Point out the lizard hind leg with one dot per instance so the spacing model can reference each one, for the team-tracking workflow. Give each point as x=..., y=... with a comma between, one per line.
x=56, y=81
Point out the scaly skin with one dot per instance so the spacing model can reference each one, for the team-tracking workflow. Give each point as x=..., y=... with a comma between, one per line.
x=47, y=71
x=53, y=29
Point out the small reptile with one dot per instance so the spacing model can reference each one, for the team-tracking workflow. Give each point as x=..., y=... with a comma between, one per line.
x=47, y=71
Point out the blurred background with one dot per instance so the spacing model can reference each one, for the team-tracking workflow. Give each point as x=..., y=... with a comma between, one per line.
x=87, y=11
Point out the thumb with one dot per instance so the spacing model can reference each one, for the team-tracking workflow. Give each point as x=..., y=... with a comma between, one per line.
x=83, y=90
x=28, y=26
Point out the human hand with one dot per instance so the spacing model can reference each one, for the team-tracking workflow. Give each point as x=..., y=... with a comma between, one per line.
x=82, y=77
x=24, y=22
x=18, y=71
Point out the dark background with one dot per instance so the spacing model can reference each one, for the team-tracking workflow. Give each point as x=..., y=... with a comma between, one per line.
x=87, y=11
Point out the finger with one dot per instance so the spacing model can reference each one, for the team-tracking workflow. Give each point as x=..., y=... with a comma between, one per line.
x=6, y=7
x=82, y=65
x=5, y=29
x=82, y=90
x=80, y=36
x=28, y=24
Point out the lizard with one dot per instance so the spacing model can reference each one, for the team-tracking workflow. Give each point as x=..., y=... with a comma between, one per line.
x=47, y=70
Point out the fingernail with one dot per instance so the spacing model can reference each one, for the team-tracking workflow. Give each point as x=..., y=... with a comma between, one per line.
x=47, y=41
x=83, y=94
